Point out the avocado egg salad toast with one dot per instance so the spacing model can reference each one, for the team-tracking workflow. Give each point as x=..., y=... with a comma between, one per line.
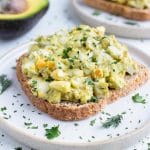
x=131, y=9
x=72, y=75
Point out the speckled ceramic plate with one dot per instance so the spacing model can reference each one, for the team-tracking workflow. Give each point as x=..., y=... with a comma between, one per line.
x=114, y=24
x=78, y=135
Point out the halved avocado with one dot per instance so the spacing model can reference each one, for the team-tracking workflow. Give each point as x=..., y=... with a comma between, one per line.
x=19, y=16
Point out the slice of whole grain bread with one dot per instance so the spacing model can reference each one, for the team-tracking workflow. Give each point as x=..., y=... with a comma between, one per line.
x=119, y=9
x=76, y=111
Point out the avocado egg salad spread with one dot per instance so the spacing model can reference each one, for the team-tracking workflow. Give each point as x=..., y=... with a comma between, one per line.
x=139, y=4
x=81, y=65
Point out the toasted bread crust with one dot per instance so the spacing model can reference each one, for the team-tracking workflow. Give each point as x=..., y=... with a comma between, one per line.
x=122, y=10
x=75, y=111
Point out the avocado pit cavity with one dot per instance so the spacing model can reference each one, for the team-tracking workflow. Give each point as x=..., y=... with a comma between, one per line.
x=13, y=6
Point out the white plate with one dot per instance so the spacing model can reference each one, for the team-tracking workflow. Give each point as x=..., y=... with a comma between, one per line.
x=114, y=24
x=21, y=110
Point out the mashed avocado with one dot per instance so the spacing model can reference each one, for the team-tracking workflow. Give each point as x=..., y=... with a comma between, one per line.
x=140, y=4
x=80, y=65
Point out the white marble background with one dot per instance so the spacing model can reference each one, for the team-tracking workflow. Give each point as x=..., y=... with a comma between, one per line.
x=60, y=15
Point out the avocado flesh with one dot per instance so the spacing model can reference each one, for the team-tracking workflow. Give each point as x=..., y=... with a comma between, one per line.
x=13, y=6
x=33, y=8
x=14, y=25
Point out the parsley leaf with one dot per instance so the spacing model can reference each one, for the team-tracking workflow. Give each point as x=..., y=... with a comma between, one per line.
x=94, y=99
x=18, y=148
x=113, y=121
x=4, y=83
x=148, y=144
x=45, y=125
x=66, y=51
x=53, y=132
x=131, y=23
x=3, y=109
x=89, y=81
x=27, y=123
x=138, y=99
x=96, y=13
x=92, y=122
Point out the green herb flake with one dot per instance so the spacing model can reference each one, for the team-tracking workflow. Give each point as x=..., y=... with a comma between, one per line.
x=34, y=127
x=96, y=13
x=92, y=122
x=18, y=148
x=113, y=121
x=131, y=23
x=138, y=99
x=53, y=132
x=94, y=99
x=3, y=109
x=27, y=123
x=45, y=125
x=4, y=83
x=76, y=124
x=148, y=144
x=66, y=51
x=89, y=81
x=14, y=67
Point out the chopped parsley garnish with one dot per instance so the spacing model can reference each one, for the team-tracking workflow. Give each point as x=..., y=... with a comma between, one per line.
x=83, y=39
x=131, y=23
x=4, y=83
x=18, y=148
x=34, y=85
x=14, y=67
x=138, y=99
x=27, y=123
x=96, y=13
x=89, y=81
x=3, y=109
x=45, y=125
x=94, y=99
x=92, y=122
x=113, y=121
x=76, y=124
x=53, y=132
x=49, y=79
x=66, y=51
x=148, y=144
x=34, y=127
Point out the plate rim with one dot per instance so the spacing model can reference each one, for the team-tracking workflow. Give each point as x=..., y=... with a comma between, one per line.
x=94, y=22
x=6, y=125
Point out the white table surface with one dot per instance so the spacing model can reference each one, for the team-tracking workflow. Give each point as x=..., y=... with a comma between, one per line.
x=60, y=15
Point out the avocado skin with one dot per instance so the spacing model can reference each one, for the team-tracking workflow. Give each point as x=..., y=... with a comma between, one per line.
x=10, y=29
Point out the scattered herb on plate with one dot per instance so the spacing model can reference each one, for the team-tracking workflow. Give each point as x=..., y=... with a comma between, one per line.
x=45, y=125
x=33, y=127
x=52, y=132
x=18, y=148
x=3, y=109
x=14, y=67
x=76, y=124
x=131, y=23
x=138, y=99
x=27, y=123
x=148, y=144
x=4, y=83
x=113, y=121
x=92, y=122
x=96, y=13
